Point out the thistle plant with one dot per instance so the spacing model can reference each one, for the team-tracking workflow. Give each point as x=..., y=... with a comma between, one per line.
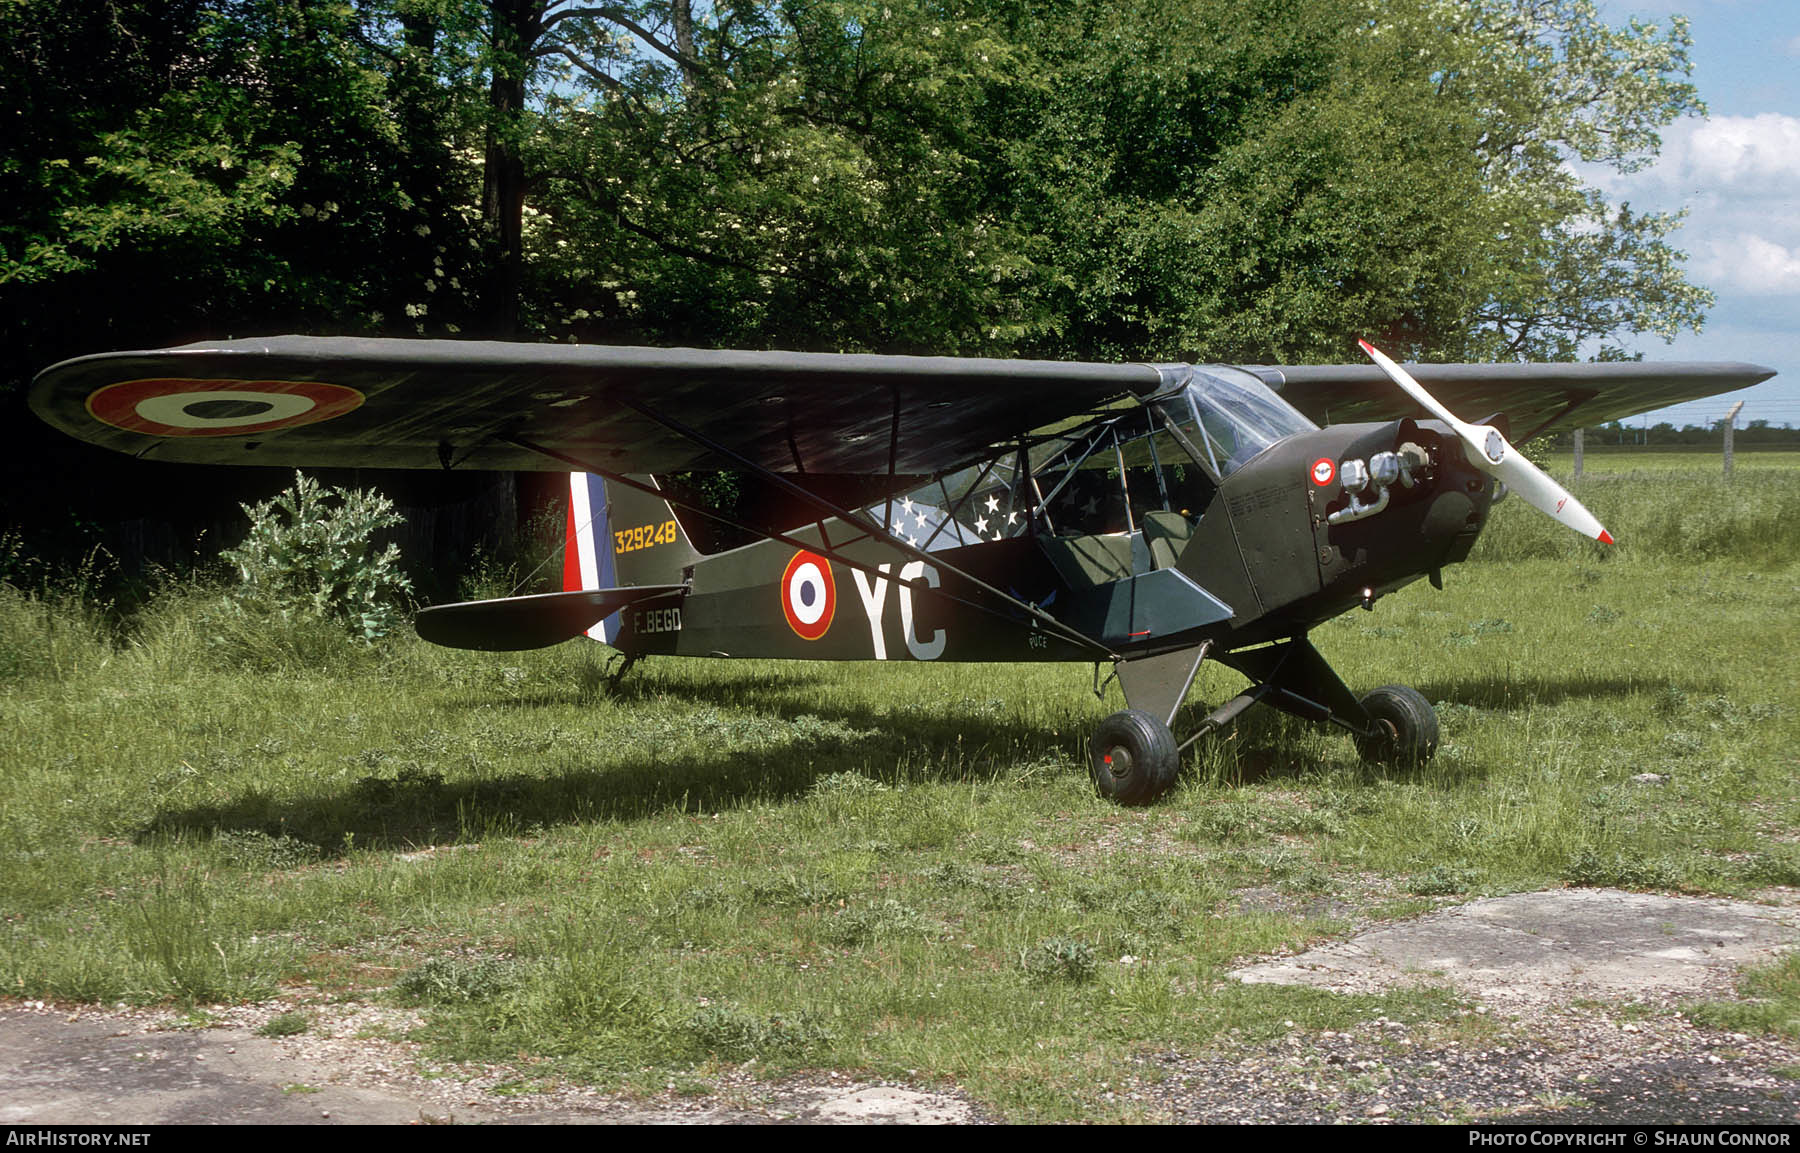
x=311, y=555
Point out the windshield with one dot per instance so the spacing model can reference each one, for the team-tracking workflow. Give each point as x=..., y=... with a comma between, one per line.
x=1236, y=414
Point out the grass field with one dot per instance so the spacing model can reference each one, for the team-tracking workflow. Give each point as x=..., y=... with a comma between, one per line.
x=1696, y=459
x=896, y=870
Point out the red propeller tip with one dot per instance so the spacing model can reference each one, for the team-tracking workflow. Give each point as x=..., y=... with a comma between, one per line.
x=1604, y=537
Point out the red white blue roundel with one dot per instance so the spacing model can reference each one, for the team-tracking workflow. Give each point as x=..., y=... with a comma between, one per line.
x=166, y=407
x=808, y=595
x=1324, y=470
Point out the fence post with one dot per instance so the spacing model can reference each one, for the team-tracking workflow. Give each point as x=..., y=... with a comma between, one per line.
x=1730, y=424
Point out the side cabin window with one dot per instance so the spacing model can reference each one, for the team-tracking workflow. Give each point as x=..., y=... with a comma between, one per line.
x=1109, y=479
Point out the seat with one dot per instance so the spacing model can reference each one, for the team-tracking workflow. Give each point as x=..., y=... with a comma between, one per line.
x=1167, y=535
x=1088, y=561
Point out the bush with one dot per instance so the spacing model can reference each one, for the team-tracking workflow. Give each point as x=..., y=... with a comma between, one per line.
x=310, y=556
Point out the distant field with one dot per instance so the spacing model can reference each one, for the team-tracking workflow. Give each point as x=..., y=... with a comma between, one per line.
x=896, y=871
x=1703, y=459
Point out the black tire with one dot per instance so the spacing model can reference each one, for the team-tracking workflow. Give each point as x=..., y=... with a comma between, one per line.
x=1133, y=758
x=1406, y=727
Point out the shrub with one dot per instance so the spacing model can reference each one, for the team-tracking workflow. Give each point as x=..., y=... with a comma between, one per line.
x=310, y=556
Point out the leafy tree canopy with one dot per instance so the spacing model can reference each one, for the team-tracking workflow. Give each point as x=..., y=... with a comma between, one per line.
x=1251, y=180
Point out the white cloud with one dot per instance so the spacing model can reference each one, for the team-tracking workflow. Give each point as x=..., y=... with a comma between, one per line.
x=1737, y=151
x=1793, y=46
x=1738, y=178
x=1752, y=264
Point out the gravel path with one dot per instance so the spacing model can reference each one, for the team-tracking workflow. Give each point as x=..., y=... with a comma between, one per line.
x=1575, y=1018
x=1566, y=1066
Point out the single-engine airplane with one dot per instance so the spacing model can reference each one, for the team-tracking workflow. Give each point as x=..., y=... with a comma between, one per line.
x=1146, y=516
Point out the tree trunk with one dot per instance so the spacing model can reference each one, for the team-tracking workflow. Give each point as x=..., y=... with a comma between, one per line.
x=516, y=26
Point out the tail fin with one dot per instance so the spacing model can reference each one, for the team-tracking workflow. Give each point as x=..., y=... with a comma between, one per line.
x=618, y=536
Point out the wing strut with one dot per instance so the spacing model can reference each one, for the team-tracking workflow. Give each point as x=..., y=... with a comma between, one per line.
x=856, y=520
x=1048, y=622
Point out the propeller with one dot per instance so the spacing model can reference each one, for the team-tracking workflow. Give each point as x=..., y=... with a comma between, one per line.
x=1489, y=451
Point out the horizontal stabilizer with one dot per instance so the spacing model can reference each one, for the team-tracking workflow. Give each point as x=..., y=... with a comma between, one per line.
x=532, y=622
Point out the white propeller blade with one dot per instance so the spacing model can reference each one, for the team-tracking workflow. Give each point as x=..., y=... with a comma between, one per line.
x=1489, y=451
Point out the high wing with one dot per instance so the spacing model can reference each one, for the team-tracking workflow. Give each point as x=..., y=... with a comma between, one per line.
x=1536, y=398
x=342, y=401
x=351, y=402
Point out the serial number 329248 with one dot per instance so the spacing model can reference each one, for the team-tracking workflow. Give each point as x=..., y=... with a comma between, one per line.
x=643, y=536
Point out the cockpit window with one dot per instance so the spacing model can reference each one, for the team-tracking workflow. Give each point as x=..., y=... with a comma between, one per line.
x=1236, y=415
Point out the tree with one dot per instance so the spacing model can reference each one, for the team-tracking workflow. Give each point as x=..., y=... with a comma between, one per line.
x=1265, y=180
x=207, y=170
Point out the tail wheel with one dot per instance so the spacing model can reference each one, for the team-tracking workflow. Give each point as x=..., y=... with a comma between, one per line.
x=1133, y=757
x=1406, y=727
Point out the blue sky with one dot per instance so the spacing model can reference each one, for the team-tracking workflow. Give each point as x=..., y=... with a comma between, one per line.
x=1737, y=172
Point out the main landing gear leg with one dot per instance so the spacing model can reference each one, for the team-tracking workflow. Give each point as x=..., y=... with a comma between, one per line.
x=1393, y=724
x=1134, y=757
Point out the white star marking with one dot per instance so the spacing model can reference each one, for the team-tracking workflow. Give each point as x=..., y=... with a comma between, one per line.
x=919, y=519
x=993, y=503
x=981, y=524
x=907, y=504
x=1012, y=517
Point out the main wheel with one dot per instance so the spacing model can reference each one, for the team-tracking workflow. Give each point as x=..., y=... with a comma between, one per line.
x=1406, y=726
x=1133, y=757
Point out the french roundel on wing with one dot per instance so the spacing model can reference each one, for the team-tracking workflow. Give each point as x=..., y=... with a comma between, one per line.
x=808, y=595
x=172, y=407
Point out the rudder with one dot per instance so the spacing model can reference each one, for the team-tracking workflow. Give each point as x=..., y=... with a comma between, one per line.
x=621, y=537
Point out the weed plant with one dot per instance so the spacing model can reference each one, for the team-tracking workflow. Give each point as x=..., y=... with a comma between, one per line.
x=900, y=870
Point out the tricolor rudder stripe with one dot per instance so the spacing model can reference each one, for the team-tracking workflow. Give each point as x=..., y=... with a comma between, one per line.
x=587, y=564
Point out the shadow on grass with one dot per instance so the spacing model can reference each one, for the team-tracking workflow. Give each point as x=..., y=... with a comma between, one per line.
x=974, y=742
x=418, y=805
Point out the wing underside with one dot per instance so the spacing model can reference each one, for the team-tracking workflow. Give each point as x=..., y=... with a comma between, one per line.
x=338, y=401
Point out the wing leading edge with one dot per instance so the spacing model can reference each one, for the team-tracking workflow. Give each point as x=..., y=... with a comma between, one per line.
x=1536, y=398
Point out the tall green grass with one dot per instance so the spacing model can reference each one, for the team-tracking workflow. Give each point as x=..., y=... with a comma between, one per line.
x=1661, y=514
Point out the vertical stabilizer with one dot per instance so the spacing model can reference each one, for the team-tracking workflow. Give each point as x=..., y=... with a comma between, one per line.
x=620, y=537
